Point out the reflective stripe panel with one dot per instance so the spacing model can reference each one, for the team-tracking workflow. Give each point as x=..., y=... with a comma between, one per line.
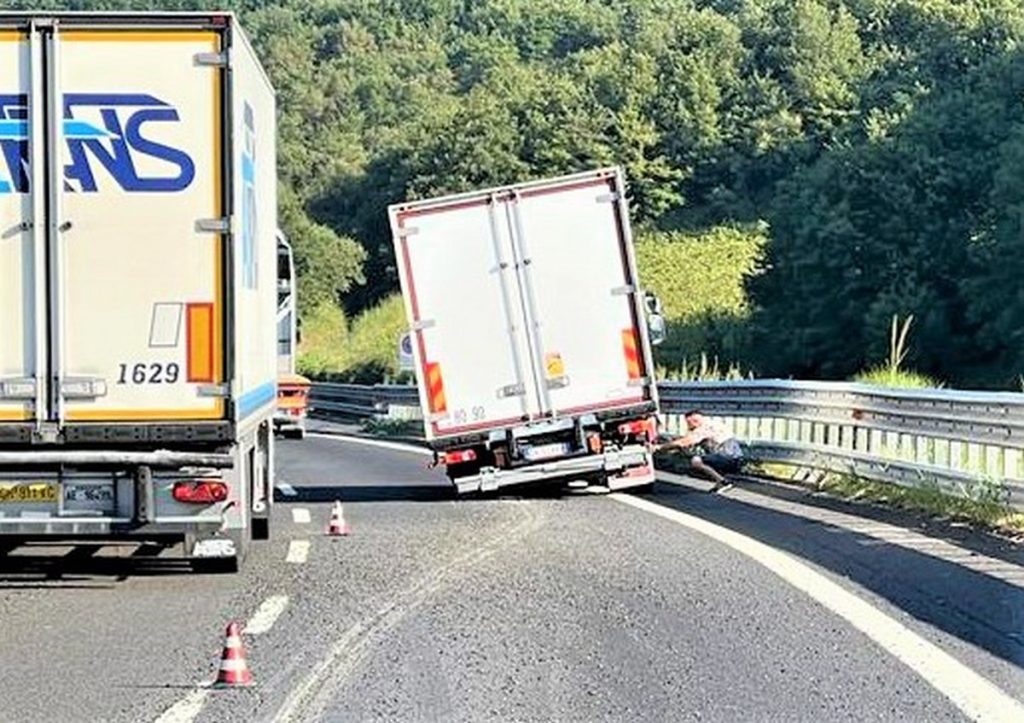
x=199, y=332
x=631, y=351
x=435, y=388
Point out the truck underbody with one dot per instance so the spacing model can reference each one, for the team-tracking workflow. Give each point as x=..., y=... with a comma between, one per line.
x=612, y=451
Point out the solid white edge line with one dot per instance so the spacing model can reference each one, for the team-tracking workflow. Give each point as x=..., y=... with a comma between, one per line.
x=298, y=552
x=301, y=516
x=974, y=695
x=286, y=489
x=393, y=446
x=266, y=615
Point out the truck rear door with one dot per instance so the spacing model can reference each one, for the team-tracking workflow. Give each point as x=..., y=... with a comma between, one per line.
x=458, y=270
x=579, y=284
x=523, y=303
x=21, y=358
x=139, y=257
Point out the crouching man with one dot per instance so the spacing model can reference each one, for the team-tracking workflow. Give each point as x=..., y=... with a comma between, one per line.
x=718, y=452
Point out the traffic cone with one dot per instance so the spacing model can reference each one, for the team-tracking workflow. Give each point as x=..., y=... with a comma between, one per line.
x=338, y=527
x=234, y=671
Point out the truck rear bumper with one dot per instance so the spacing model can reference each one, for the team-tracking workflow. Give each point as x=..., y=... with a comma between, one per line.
x=119, y=527
x=631, y=466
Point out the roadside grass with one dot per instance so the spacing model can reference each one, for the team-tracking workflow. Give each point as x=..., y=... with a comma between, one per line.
x=982, y=504
x=885, y=376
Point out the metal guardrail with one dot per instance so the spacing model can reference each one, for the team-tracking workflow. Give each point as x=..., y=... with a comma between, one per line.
x=360, y=400
x=967, y=443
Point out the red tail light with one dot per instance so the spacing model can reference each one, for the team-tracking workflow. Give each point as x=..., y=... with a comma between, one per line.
x=465, y=455
x=639, y=427
x=200, y=491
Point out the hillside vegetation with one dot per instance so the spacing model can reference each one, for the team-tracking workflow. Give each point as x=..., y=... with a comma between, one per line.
x=800, y=170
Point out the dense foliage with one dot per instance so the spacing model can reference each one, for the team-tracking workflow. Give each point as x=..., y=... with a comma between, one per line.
x=879, y=142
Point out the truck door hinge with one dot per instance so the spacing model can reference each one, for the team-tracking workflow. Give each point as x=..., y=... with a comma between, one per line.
x=214, y=390
x=215, y=60
x=608, y=198
x=511, y=390
x=83, y=388
x=18, y=388
x=214, y=225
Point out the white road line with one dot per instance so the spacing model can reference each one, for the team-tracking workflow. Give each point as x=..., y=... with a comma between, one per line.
x=286, y=489
x=266, y=615
x=188, y=708
x=298, y=552
x=300, y=516
x=978, y=698
x=394, y=446
x=909, y=539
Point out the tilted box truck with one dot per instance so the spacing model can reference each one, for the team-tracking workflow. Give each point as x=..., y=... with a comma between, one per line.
x=530, y=333
x=138, y=272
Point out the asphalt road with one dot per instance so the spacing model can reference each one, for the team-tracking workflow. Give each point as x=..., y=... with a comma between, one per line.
x=579, y=608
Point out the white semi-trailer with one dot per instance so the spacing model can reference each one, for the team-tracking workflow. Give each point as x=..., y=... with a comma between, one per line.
x=138, y=289
x=530, y=333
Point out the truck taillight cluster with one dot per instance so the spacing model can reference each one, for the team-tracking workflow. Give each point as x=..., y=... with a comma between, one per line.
x=200, y=491
x=465, y=455
x=648, y=427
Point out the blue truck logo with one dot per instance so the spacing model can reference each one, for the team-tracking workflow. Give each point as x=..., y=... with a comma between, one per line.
x=105, y=133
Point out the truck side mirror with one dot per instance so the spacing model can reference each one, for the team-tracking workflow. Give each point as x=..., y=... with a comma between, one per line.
x=656, y=327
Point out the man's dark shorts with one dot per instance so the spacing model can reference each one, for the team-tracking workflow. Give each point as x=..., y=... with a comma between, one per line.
x=727, y=458
x=722, y=463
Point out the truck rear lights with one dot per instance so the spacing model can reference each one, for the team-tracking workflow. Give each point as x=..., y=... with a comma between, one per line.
x=638, y=427
x=200, y=491
x=594, y=443
x=465, y=455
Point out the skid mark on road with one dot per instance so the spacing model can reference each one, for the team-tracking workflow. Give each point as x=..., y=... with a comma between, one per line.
x=310, y=698
x=973, y=694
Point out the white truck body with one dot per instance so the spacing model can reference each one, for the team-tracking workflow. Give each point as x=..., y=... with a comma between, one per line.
x=528, y=322
x=137, y=274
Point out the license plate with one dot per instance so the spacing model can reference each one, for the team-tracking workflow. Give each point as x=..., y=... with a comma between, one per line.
x=88, y=493
x=546, y=451
x=21, y=492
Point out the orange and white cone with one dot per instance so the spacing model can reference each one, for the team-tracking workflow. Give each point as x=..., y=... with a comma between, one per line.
x=234, y=671
x=338, y=527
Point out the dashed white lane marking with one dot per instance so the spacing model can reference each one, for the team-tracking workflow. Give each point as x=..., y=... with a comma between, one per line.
x=286, y=489
x=298, y=552
x=300, y=516
x=978, y=698
x=394, y=446
x=266, y=615
x=188, y=708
